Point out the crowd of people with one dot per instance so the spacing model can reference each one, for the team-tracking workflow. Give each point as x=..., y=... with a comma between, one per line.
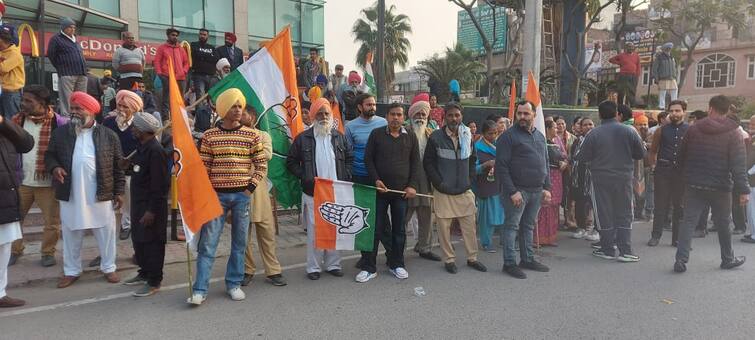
x=90, y=168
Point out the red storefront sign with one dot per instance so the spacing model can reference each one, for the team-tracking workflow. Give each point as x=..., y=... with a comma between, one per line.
x=93, y=48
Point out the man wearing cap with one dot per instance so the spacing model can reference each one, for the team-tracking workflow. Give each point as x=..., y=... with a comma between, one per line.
x=203, y=61
x=65, y=55
x=149, y=197
x=83, y=158
x=449, y=162
x=234, y=54
x=629, y=71
x=121, y=122
x=128, y=60
x=235, y=160
x=6, y=26
x=664, y=72
x=336, y=82
x=323, y=152
x=171, y=49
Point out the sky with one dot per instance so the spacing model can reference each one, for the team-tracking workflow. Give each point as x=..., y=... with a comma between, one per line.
x=433, y=25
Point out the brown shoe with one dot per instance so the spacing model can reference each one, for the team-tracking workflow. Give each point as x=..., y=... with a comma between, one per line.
x=112, y=277
x=66, y=281
x=8, y=302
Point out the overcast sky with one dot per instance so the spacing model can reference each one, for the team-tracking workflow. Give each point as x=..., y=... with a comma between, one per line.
x=433, y=25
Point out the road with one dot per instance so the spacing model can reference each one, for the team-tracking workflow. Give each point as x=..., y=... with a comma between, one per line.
x=581, y=297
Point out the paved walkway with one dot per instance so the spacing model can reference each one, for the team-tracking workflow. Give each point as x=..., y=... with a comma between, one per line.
x=28, y=269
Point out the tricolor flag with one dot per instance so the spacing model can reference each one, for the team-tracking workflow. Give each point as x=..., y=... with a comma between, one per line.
x=197, y=200
x=344, y=215
x=533, y=95
x=369, y=77
x=268, y=80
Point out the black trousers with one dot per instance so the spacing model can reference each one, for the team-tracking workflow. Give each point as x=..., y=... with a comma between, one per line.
x=150, y=256
x=738, y=214
x=389, y=232
x=582, y=208
x=627, y=86
x=612, y=202
x=669, y=194
x=695, y=201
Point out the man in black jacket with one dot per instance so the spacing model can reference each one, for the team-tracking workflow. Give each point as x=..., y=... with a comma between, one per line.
x=521, y=166
x=713, y=159
x=13, y=141
x=450, y=165
x=320, y=151
x=203, y=61
x=234, y=54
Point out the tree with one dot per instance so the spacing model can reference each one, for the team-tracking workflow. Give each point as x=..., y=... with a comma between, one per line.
x=488, y=42
x=593, y=8
x=693, y=19
x=456, y=63
x=624, y=7
x=397, y=45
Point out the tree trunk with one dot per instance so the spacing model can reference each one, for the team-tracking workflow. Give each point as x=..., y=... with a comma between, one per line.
x=577, y=83
x=687, y=63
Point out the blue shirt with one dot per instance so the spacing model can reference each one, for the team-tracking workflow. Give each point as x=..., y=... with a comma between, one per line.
x=357, y=133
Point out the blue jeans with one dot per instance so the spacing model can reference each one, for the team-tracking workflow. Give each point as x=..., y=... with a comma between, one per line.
x=520, y=221
x=10, y=103
x=200, y=83
x=209, y=236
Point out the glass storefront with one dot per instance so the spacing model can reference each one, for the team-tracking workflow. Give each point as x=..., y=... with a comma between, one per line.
x=188, y=16
x=306, y=17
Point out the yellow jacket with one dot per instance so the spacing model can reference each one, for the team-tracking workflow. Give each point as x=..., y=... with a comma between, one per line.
x=262, y=209
x=12, y=74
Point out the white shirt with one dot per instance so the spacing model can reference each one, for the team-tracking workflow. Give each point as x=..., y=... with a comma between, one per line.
x=82, y=210
x=325, y=158
x=29, y=159
x=10, y=232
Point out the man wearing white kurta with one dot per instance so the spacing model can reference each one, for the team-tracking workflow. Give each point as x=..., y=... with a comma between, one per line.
x=83, y=158
x=13, y=140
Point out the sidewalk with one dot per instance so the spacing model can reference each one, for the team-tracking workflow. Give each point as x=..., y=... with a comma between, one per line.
x=28, y=270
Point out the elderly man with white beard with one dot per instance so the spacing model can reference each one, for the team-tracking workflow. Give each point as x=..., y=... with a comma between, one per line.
x=418, y=114
x=324, y=152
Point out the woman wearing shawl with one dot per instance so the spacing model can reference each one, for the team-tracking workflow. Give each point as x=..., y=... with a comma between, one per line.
x=547, y=219
x=489, y=207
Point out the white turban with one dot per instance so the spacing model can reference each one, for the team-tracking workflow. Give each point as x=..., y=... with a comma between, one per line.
x=223, y=62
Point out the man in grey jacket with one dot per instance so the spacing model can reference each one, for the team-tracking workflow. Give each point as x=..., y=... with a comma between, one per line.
x=128, y=60
x=664, y=72
x=611, y=150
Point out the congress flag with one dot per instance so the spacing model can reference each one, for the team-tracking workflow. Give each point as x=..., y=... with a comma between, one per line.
x=344, y=215
x=533, y=95
x=197, y=199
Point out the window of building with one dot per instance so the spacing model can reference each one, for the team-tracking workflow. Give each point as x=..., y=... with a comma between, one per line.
x=287, y=12
x=218, y=15
x=313, y=23
x=112, y=7
x=715, y=71
x=156, y=11
x=751, y=67
x=645, y=75
x=188, y=16
x=261, y=18
x=188, y=13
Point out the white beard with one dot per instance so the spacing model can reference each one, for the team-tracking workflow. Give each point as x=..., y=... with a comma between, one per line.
x=322, y=130
x=419, y=131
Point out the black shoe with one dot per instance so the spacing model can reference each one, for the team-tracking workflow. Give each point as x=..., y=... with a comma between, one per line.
x=514, y=271
x=336, y=272
x=13, y=259
x=95, y=262
x=124, y=234
x=313, y=276
x=247, y=280
x=451, y=268
x=748, y=239
x=736, y=262
x=277, y=280
x=534, y=265
x=712, y=230
x=430, y=256
x=48, y=261
x=698, y=233
x=477, y=265
x=680, y=267
x=596, y=245
x=737, y=232
x=653, y=242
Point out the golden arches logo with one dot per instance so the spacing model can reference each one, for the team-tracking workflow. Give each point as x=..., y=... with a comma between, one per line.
x=187, y=46
x=34, y=44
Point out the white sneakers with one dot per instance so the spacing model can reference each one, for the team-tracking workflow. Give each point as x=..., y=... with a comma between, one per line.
x=236, y=294
x=365, y=276
x=580, y=234
x=196, y=299
x=400, y=273
x=592, y=236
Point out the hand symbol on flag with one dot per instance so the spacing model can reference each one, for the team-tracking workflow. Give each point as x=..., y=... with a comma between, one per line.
x=349, y=219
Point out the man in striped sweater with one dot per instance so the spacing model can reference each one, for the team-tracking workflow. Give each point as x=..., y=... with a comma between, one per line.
x=235, y=160
x=65, y=54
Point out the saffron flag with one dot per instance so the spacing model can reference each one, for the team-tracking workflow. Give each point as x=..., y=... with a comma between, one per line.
x=533, y=95
x=337, y=117
x=268, y=81
x=369, y=77
x=197, y=200
x=512, y=101
x=344, y=215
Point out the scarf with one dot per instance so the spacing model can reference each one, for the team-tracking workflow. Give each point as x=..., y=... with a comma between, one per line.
x=42, y=142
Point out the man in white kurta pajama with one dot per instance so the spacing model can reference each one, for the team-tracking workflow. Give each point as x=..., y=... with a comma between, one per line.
x=13, y=140
x=83, y=158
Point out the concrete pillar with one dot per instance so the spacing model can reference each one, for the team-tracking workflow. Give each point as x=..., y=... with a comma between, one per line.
x=533, y=36
x=241, y=24
x=130, y=13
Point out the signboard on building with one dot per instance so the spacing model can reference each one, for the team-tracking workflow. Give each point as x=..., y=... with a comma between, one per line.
x=94, y=48
x=643, y=41
x=469, y=37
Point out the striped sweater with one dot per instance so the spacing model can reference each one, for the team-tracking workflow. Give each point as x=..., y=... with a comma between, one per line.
x=235, y=159
x=66, y=56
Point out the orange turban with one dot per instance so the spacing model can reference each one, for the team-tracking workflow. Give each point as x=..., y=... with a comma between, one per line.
x=318, y=104
x=641, y=119
x=86, y=101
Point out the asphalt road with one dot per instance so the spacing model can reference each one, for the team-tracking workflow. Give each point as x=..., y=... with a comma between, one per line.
x=583, y=297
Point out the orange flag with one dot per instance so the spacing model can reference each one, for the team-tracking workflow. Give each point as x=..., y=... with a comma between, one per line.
x=338, y=117
x=197, y=199
x=512, y=100
x=533, y=96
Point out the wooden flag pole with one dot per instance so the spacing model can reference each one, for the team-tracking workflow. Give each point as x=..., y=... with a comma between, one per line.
x=197, y=102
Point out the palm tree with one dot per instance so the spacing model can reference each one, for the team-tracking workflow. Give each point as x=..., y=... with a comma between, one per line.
x=457, y=63
x=397, y=45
